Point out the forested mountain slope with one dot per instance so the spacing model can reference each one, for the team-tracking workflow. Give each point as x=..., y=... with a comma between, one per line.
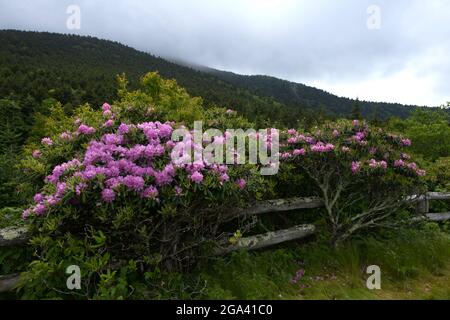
x=75, y=69
x=296, y=94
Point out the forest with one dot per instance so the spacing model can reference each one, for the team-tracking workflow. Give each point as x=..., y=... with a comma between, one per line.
x=86, y=168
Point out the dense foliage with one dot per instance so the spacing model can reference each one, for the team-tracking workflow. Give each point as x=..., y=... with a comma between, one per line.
x=363, y=174
x=98, y=188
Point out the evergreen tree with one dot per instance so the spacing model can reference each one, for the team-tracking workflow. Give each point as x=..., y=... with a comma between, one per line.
x=356, y=112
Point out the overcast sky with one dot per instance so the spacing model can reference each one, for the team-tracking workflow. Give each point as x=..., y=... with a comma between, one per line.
x=385, y=50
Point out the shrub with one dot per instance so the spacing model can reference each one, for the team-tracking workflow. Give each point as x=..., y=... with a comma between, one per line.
x=363, y=175
x=114, y=203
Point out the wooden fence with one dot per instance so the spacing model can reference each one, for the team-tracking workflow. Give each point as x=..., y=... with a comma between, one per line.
x=18, y=236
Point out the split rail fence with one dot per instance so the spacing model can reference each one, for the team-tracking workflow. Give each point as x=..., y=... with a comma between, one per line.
x=18, y=236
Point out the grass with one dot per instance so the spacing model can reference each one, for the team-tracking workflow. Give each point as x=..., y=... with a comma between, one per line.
x=415, y=264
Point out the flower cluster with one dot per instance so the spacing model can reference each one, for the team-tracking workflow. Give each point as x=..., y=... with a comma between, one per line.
x=119, y=161
x=356, y=143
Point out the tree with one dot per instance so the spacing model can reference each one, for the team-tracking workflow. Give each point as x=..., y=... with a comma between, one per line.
x=356, y=112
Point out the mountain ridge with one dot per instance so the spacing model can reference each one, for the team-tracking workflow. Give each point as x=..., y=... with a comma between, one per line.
x=75, y=69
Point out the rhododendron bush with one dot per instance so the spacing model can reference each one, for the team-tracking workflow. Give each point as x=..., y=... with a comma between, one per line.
x=364, y=175
x=110, y=197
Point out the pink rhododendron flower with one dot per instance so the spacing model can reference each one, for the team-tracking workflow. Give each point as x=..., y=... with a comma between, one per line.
x=406, y=142
x=108, y=195
x=106, y=107
x=80, y=187
x=399, y=163
x=224, y=178
x=356, y=166
x=405, y=156
x=285, y=155
x=299, y=152
x=178, y=190
x=320, y=147
x=66, y=136
x=420, y=172
x=38, y=198
x=47, y=141
x=37, y=154
x=241, y=183
x=197, y=177
x=109, y=123
x=150, y=192
x=39, y=209
x=292, y=140
x=84, y=129
x=123, y=129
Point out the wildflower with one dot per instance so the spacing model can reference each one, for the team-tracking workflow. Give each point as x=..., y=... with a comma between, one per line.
x=345, y=149
x=335, y=133
x=355, y=123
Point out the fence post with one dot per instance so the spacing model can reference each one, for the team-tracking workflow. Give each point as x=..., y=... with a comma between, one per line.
x=423, y=205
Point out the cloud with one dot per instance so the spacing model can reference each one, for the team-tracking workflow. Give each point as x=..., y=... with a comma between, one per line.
x=323, y=43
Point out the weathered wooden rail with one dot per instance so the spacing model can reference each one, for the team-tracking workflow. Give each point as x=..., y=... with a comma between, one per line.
x=18, y=236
